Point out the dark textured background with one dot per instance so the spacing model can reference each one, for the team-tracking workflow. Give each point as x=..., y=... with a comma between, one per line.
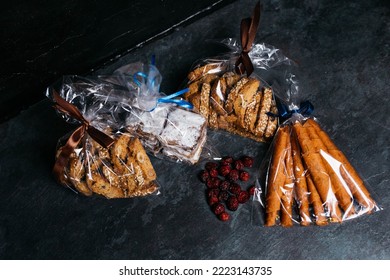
x=42, y=40
x=343, y=51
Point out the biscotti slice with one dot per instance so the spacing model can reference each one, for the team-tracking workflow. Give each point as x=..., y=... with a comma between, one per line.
x=205, y=100
x=213, y=119
x=224, y=122
x=209, y=68
x=264, y=109
x=137, y=152
x=98, y=184
x=233, y=94
x=195, y=101
x=77, y=175
x=231, y=79
x=218, y=95
x=272, y=121
x=252, y=111
x=193, y=89
x=244, y=97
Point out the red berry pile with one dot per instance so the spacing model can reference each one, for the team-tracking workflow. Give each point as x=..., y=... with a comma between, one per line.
x=224, y=181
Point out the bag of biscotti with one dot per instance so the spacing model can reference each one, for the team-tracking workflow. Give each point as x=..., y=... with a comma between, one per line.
x=233, y=91
x=97, y=158
x=305, y=178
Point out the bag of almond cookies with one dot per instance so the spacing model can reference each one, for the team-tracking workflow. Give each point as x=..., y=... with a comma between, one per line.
x=232, y=92
x=97, y=157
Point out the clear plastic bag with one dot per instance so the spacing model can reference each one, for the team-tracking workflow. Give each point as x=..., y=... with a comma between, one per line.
x=230, y=100
x=166, y=125
x=97, y=158
x=305, y=178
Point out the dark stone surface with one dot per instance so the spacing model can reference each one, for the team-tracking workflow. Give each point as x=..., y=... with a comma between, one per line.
x=343, y=50
x=42, y=40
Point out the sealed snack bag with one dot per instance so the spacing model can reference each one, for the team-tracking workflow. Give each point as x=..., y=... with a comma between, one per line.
x=97, y=158
x=166, y=125
x=306, y=178
x=230, y=100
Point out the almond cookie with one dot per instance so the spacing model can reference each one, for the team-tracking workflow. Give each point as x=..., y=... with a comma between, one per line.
x=264, y=109
x=77, y=175
x=233, y=94
x=137, y=152
x=272, y=122
x=252, y=111
x=243, y=99
x=218, y=95
x=205, y=101
x=206, y=69
x=98, y=184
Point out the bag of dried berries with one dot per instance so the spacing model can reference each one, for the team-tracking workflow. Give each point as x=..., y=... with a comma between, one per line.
x=305, y=178
x=231, y=90
x=97, y=158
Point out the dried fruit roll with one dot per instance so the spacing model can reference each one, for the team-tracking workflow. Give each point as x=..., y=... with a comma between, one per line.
x=351, y=177
x=276, y=177
x=301, y=192
x=315, y=201
x=287, y=188
x=341, y=191
x=318, y=172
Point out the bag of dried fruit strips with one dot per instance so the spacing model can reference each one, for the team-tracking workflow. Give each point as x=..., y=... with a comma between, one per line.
x=306, y=179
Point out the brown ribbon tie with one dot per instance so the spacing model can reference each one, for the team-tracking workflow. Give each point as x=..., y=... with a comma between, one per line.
x=75, y=138
x=248, y=31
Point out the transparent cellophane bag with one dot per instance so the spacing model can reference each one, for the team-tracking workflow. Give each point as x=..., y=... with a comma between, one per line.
x=233, y=102
x=305, y=178
x=121, y=170
x=166, y=125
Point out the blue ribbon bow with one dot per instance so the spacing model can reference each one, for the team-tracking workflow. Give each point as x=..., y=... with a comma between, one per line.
x=153, y=84
x=305, y=109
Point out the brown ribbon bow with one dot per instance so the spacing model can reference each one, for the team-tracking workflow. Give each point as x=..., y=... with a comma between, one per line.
x=99, y=136
x=248, y=31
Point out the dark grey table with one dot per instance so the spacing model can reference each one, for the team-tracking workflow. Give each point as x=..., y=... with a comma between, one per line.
x=343, y=48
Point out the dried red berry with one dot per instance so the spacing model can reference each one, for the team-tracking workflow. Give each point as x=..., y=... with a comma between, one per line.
x=213, y=172
x=224, y=186
x=247, y=161
x=244, y=176
x=227, y=160
x=204, y=175
x=224, y=216
x=232, y=203
x=218, y=208
x=233, y=175
x=238, y=165
x=211, y=165
x=213, y=183
x=212, y=192
x=235, y=188
x=224, y=170
x=223, y=196
x=243, y=197
x=251, y=190
x=212, y=200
